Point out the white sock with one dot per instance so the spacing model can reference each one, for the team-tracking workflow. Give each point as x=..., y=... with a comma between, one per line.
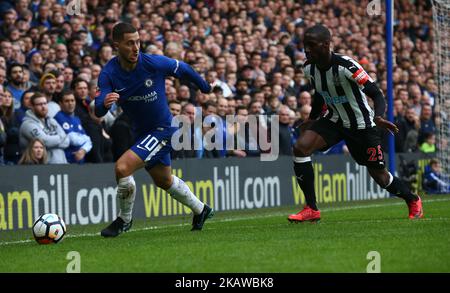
x=181, y=192
x=126, y=194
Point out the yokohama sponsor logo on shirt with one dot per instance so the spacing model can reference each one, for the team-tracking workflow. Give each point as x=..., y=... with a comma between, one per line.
x=361, y=76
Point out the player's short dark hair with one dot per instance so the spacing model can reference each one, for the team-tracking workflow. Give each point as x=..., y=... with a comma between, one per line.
x=320, y=32
x=120, y=29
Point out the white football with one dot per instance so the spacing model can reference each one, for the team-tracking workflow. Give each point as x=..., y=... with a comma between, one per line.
x=49, y=228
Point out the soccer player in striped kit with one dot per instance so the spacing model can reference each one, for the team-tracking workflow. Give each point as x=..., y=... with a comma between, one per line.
x=342, y=84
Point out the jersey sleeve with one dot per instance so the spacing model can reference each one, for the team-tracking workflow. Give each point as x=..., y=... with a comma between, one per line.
x=104, y=88
x=181, y=70
x=356, y=73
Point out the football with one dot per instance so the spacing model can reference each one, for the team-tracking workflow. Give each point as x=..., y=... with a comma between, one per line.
x=49, y=228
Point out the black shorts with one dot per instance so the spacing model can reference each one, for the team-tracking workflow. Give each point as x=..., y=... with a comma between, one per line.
x=364, y=144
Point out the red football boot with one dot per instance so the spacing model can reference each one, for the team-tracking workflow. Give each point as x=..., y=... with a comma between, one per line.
x=307, y=214
x=415, y=209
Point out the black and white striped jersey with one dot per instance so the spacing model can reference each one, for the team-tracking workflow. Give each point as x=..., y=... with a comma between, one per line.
x=341, y=87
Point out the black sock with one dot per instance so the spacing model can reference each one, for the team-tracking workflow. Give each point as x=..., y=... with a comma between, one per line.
x=398, y=188
x=305, y=178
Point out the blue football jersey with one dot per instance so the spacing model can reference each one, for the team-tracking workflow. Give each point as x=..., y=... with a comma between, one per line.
x=142, y=91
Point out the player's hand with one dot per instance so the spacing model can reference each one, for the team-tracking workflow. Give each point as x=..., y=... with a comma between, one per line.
x=110, y=99
x=389, y=126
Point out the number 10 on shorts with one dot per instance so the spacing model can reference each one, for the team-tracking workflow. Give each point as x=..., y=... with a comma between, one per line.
x=149, y=143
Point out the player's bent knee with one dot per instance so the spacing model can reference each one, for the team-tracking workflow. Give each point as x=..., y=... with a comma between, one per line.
x=122, y=170
x=164, y=182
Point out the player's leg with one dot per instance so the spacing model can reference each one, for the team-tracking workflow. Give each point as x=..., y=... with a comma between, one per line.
x=158, y=166
x=395, y=186
x=178, y=189
x=317, y=136
x=307, y=143
x=311, y=140
x=127, y=164
x=365, y=147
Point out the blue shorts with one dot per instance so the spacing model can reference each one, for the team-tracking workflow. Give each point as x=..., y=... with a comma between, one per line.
x=155, y=147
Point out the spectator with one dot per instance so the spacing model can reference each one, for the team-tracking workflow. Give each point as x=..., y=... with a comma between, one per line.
x=195, y=134
x=291, y=102
x=61, y=54
x=68, y=77
x=36, y=66
x=35, y=153
x=429, y=144
x=212, y=78
x=285, y=131
x=37, y=124
x=426, y=122
x=60, y=85
x=25, y=105
x=175, y=108
x=412, y=130
x=80, y=143
x=184, y=94
x=274, y=105
x=434, y=181
x=92, y=127
x=11, y=150
x=16, y=83
x=304, y=99
x=399, y=120
x=245, y=143
x=47, y=85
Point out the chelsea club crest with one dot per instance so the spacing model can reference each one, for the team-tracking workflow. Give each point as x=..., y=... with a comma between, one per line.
x=148, y=82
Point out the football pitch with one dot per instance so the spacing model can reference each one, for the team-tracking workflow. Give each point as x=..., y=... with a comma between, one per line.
x=253, y=241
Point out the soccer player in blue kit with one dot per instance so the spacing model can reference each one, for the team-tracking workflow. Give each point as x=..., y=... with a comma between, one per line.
x=136, y=82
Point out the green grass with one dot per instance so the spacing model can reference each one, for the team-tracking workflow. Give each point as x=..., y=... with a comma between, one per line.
x=255, y=241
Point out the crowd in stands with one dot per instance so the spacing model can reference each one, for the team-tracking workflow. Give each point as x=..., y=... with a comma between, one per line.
x=252, y=50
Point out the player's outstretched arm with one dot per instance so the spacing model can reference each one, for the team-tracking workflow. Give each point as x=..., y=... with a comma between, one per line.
x=181, y=70
x=187, y=72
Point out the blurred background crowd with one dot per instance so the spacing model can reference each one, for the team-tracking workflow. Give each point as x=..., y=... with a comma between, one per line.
x=51, y=56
